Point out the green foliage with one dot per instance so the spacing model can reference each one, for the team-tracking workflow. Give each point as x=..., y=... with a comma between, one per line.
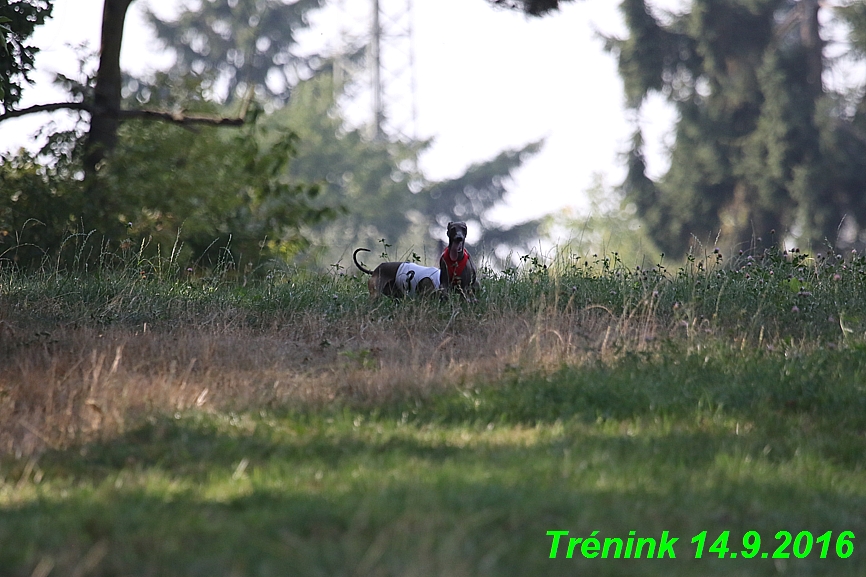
x=164, y=185
x=379, y=186
x=18, y=20
x=377, y=183
x=611, y=227
x=471, y=195
x=239, y=44
x=645, y=54
x=760, y=145
x=371, y=180
x=212, y=184
x=41, y=204
x=204, y=190
x=854, y=14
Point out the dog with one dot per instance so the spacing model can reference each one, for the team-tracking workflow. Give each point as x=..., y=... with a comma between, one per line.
x=398, y=279
x=457, y=269
x=456, y=272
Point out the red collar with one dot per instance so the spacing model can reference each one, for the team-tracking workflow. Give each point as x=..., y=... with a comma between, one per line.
x=455, y=267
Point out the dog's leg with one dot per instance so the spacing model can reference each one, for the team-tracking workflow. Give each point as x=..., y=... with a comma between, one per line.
x=425, y=287
x=469, y=280
x=387, y=283
x=373, y=285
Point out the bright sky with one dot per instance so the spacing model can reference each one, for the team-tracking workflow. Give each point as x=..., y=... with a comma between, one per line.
x=487, y=80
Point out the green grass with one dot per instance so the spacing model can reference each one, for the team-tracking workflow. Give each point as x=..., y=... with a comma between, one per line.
x=469, y=482
x=718, y=409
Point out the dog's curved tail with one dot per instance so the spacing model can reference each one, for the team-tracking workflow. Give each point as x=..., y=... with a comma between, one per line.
x=359, y=265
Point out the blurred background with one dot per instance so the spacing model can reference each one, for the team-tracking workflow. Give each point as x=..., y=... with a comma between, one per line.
x=551, y=127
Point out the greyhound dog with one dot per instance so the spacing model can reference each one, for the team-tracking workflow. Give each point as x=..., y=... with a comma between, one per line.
x=456, y=267
x=396, y=279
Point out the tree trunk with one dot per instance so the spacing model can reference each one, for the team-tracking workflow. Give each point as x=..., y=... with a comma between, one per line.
x=104, y=119
x=810, y=36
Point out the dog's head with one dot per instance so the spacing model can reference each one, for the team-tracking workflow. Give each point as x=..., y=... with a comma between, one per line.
x=456, y=238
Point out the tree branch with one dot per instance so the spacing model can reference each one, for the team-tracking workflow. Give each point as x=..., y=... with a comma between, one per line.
x=174, y=117
x=45, y=108
x=179, y=118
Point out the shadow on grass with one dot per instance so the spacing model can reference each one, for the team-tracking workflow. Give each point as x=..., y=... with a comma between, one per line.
x=468, y=483
x=326, y=497
x=403, y=529
x=820, y=384
x=197, y=446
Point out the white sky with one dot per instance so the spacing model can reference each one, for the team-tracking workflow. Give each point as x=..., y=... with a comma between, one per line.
x=487, y=80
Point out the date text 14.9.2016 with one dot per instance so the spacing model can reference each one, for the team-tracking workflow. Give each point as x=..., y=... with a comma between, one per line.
x=783, y=546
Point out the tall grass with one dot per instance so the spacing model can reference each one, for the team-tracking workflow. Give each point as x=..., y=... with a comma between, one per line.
x=163, y=333
x=260, y=420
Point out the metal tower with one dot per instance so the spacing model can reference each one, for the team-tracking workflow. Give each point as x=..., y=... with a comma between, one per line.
x=381, y=95
x=392, y=70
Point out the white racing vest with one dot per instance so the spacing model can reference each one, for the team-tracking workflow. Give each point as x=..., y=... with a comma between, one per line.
x=410, y=274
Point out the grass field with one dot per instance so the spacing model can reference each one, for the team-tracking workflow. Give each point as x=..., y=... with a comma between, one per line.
x=155, y=421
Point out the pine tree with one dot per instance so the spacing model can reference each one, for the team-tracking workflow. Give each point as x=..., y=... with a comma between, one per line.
x=384, y=195
x=376, y=182
x=239, y=44
x=761, y=144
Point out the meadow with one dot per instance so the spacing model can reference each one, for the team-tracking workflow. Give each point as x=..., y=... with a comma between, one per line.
x=243, y=421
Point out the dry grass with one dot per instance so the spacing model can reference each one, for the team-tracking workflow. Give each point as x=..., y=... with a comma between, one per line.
x=90, y=357
x=70, y=384
x=294, y=425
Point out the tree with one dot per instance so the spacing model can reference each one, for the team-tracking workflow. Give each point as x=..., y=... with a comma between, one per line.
x=215, y=189
x=761, y=145
x=240, y=45
x=105, y=112
x=144, y=180
x=376, y=182
x=18, y=20
x=611, y=228
x=104, y=103
x=472, y=195
x=854, y=16
x=370, y=179
x=380, y=188
x=531, y=7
